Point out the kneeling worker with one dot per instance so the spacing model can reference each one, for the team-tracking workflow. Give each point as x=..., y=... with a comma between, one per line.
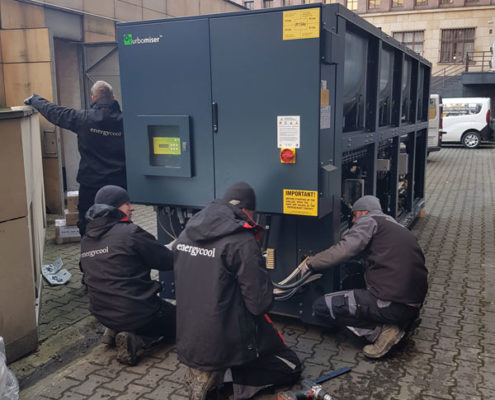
x=223, y=291
x=395, y=276
x=116, y=258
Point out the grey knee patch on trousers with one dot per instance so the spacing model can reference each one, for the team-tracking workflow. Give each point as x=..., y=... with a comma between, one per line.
x=339, y=300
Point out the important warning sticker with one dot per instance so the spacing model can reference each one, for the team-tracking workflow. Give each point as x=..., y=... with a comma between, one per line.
x=166, y=145
x=301, y=202
x=301, y=24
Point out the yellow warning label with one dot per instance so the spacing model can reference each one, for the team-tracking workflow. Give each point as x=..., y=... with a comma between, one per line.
x=301, y=202
x=301, y=24
x=324, y=97
x=166, y=145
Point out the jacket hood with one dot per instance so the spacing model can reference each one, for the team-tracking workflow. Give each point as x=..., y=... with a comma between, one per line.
x=101, y=218
x=216, y=220
x=112, y=104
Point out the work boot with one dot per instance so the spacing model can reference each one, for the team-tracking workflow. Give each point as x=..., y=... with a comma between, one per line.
x=199, y=382
x=128, y=345
x=390, y=336
x=108, y=337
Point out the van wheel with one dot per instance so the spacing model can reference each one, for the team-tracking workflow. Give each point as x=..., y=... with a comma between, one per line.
x=471, y=139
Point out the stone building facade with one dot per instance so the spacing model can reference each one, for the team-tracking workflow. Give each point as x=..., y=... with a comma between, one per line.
x=58, y=48
x=442, y=31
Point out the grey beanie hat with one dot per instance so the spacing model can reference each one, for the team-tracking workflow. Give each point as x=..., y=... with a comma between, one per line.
x=367, y=203
x=242, y=195
x=112, y=195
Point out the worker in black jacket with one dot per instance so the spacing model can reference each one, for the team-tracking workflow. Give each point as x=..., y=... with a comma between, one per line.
x=116, y=257
x=100, y=141
x=223, y=292
x=395, y=276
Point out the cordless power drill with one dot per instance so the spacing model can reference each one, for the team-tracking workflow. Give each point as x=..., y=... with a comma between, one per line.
x=310, y=390
x=313, y=389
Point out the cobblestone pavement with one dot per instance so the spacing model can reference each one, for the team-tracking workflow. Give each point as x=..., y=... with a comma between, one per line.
x=450, y=356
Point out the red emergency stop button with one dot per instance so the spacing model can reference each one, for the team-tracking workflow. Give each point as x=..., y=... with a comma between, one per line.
x=288, y=156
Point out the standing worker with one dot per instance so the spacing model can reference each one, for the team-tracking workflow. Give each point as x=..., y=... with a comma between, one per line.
x=395, y=276
x=100, y=141
x=223, y=291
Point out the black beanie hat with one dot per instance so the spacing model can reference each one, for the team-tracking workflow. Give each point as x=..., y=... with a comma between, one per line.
x=112, y=195
x=242, y=195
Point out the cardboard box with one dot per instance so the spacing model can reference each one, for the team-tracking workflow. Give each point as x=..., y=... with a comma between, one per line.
x=71, y=217
x=65, y=233
x=72, y=200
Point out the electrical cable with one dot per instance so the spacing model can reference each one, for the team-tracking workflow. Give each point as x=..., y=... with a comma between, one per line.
x=287, y=296
x=312, y=278
x=164, y=229
x=171, y=224
x=295, y=284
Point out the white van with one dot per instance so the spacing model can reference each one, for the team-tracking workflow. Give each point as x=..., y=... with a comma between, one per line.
x=466, y=120
x=435, y=123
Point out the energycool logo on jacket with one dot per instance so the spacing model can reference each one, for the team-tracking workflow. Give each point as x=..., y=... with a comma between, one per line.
x=93, y=253
x=194, y=251
x=130, y=40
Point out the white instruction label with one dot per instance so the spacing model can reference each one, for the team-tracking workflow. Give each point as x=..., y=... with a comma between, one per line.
x=324, y=117
x=289, y=131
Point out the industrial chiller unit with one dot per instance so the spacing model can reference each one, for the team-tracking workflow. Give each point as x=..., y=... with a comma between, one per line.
x=311, y=105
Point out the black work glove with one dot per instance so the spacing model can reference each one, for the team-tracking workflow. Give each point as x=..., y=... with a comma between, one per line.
x=28, y=101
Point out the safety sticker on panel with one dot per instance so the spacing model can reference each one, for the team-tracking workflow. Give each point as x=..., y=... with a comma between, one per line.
x=301, y=202
x=166, y=145
x=288, y=131
x=301, y=24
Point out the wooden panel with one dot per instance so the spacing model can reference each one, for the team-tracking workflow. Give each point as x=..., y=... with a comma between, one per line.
x=99, y=7
x=127, y=12
x=72, y=4
x=51, y=177
x=13, y=202
x=98, y=30
x=16, y=284
x=151, y=14
x=183, y=8
x=22, y=80
x=25, y=45
x=3, y=102
x=36, y=194
x=15, y=14
x=156, y=5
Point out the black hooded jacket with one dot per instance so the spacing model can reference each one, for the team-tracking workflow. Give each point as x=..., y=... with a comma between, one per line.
x=222, y=290
x=116, y=258
x=100, y=139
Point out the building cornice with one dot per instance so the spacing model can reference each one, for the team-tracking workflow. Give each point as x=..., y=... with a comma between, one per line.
x=426, y=11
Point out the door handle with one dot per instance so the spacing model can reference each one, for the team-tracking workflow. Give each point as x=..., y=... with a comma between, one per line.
x=214, y=116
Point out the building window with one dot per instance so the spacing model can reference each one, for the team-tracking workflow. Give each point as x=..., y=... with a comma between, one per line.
x=249, y=5
x=373, y=4
x=397, y=3
x=352, y=5
x=421, y=3
x=267, y=3
x=446, y=2
x=456, y=43
x=287, y=2
x=412, y=39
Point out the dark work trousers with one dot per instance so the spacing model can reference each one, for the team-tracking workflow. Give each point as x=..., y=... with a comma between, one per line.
x=86, y=200
x=358, y=308
x=162, y=324
x=281, y=368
